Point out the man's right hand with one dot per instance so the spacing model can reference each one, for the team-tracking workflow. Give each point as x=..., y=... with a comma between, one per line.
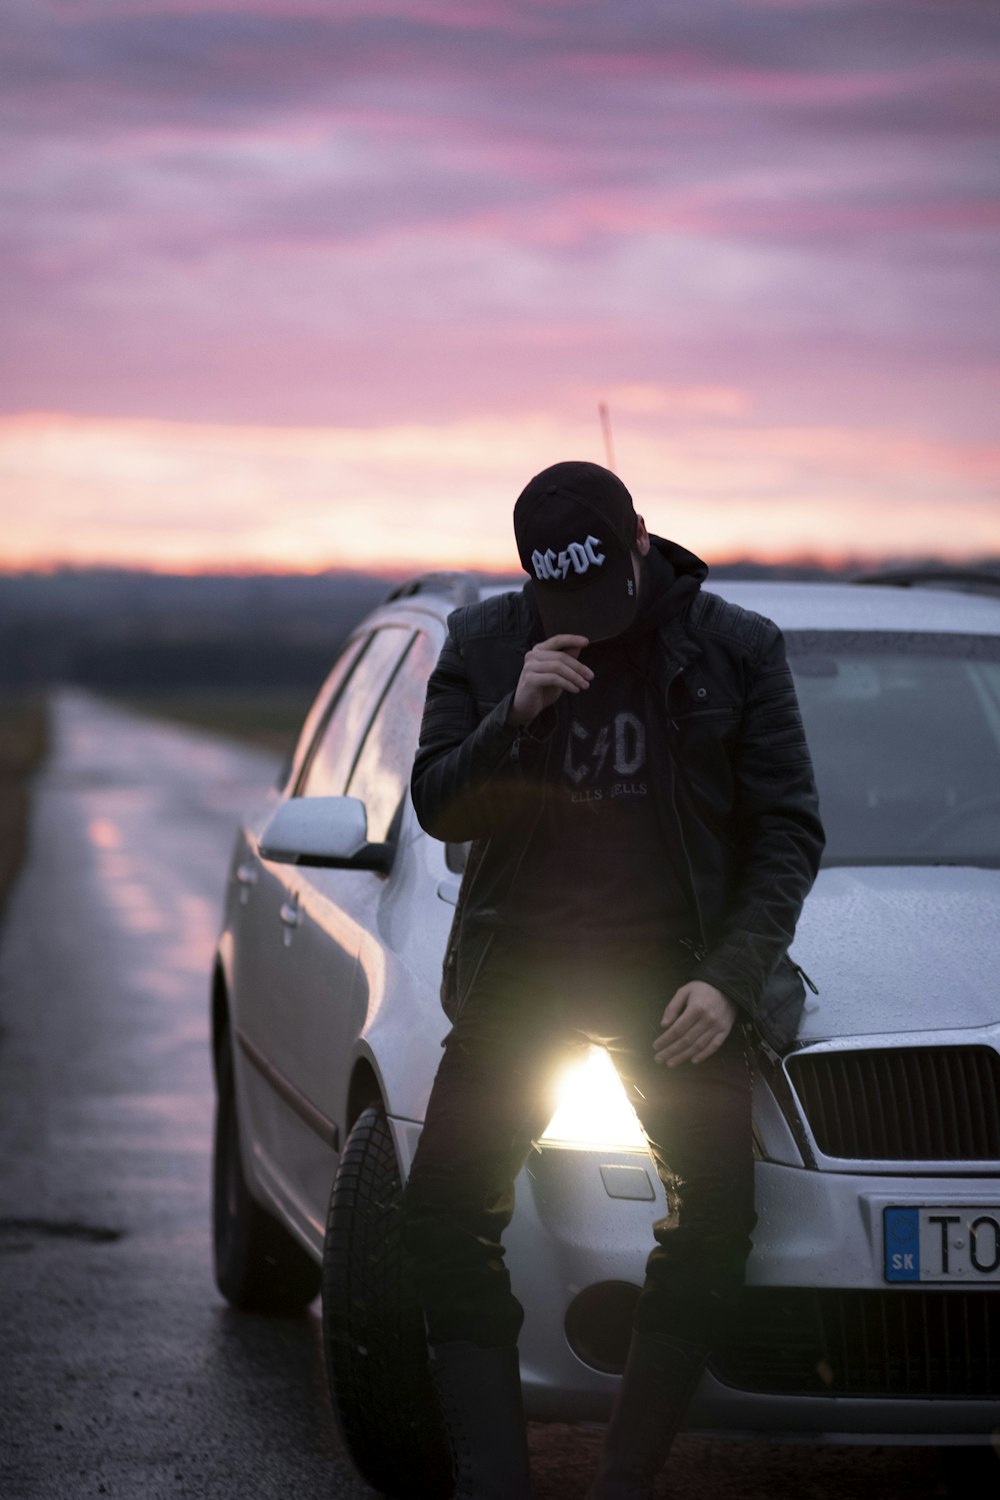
x=550, y=668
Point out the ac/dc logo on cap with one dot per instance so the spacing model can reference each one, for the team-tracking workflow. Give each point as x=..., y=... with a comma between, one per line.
x=576, y=555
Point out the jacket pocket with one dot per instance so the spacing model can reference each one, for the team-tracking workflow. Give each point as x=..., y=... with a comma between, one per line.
x=779, y=1010
x=725, y=712
x=460, y=974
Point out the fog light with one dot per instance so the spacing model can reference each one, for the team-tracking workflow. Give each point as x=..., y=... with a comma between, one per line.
x=599, y=1325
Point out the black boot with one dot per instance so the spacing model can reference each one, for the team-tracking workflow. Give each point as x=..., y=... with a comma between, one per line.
x=659, y=1380
x=480, y=1394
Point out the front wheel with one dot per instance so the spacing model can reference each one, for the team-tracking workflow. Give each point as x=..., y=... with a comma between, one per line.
x=373, y=1332
x=259, y=1267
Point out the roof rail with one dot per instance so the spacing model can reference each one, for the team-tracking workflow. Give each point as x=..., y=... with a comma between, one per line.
x=460, y=588
x=965, y=580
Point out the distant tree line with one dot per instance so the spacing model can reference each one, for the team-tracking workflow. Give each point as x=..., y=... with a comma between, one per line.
x=129, y=631
x=124, y=630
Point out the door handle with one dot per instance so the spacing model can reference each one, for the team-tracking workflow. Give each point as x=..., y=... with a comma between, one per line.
x=291, y=917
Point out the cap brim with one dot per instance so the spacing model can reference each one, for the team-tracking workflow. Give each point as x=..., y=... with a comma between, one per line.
x=600, y=610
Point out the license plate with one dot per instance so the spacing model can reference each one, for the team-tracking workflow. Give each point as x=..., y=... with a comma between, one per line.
x=942, y=1244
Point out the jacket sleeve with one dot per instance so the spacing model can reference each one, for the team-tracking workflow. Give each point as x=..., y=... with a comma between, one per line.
x=777, y=830
x=468, y=768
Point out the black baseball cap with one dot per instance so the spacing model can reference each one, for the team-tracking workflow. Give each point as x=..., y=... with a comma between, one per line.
x=575, y=527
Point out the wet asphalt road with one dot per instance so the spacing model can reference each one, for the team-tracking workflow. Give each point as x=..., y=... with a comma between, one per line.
x=122, y=1371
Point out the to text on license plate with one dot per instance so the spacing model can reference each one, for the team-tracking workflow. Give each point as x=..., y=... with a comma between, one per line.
x=942, y=1244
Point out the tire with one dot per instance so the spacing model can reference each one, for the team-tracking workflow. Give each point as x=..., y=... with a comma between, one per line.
x=259, y=1267
x=373, y=1331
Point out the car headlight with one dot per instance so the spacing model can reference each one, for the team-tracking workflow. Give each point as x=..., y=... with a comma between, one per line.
x=593, y=1109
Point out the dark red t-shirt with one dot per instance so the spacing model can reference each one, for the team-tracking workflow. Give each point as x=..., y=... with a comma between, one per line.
x=596, y=873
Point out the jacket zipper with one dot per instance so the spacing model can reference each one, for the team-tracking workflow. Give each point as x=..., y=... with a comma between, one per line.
x=702, y=945
x=451, y=956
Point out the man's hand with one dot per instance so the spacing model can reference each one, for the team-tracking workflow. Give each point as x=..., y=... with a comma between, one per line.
x=550, y=668
x=695, y=1024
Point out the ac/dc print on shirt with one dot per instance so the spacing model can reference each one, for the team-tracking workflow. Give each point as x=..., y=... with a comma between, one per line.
x=595, y=874
x=617, y=750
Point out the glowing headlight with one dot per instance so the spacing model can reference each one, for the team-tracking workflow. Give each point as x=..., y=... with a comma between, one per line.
x=593, y=1109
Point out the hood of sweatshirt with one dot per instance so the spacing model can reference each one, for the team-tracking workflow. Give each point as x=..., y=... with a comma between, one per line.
x=669, y=578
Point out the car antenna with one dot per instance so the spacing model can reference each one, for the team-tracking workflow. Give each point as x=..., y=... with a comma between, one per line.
x=609, y=447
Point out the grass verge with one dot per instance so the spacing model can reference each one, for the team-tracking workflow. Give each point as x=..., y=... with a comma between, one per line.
x=269, y=720
x=24, y=738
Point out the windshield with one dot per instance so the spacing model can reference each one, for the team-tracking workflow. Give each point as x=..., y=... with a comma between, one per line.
x=904, y=732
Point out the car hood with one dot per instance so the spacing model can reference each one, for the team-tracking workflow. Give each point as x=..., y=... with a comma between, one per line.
x=900, y=949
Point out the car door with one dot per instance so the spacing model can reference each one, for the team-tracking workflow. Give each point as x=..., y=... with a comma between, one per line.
x=342, y=911
x=255, y=913
x=295, y=1015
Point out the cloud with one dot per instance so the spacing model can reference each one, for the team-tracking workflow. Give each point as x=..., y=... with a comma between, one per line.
x=387, y=214
x=200, y=495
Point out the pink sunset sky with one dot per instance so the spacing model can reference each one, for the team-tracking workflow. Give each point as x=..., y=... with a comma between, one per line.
x=312, y=283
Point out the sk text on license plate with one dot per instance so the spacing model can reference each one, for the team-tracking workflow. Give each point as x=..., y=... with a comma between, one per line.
x=956, y=1243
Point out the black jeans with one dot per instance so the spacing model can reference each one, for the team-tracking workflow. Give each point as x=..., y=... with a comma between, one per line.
x=529, y=1013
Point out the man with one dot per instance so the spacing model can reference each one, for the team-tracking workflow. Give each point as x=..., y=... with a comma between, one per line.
x=625, y=753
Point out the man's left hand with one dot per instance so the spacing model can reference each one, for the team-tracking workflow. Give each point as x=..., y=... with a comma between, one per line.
x=695, y=1024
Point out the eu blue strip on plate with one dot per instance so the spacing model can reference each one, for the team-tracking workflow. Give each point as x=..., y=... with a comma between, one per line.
x=901, y=1232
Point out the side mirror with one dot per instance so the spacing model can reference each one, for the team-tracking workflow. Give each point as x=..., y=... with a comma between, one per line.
x=329, y=832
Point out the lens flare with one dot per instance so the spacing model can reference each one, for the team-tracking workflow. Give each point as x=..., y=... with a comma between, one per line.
x=592, y=1108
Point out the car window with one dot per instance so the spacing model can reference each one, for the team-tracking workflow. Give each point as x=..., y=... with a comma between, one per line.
x=333, y=754
x=382, y=773
x=904, y=732
x=326, y=698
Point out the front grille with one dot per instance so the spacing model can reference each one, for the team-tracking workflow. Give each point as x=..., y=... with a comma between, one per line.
x=902, y=1103
x=884, y=1343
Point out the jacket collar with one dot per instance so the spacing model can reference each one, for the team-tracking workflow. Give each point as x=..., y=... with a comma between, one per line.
x=679, y=646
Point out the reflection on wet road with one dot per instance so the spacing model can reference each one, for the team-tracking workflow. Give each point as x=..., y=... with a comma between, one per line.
x=123, y=1372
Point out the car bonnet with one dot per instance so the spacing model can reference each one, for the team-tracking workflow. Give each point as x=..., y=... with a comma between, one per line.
x=900, y=949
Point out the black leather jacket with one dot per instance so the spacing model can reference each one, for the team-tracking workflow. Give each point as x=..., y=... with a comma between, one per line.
x=736, y=794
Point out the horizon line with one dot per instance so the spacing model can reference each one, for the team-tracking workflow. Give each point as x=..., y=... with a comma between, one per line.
x=399, y=572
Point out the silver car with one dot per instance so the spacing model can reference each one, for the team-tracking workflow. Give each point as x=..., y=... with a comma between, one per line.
x=872, y=1310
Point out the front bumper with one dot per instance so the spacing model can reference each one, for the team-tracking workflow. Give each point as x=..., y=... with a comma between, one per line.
x=817, y=1258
